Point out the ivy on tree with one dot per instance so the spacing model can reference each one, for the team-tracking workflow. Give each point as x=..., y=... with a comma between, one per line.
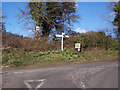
x=52, y=17
x=116, y=21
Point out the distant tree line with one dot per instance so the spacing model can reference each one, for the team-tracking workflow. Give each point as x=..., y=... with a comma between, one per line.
x=89, y=40
x=92, y=40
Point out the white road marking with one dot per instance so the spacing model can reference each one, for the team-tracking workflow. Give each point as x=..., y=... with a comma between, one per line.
x=83, y=85
x=1, y=72
x=38, y=86
x=18, y=72
x=27, y=84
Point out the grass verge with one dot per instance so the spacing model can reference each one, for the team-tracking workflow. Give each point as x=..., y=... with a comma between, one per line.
x=58, y=57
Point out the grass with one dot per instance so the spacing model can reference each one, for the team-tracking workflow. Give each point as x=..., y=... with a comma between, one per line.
x=16, y=59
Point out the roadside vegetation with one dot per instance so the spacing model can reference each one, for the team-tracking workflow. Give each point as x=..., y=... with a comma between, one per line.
x=58, y=57
x=20, y=51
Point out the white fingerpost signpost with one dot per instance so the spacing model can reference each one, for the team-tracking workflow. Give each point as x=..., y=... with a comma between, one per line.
x=62, y=36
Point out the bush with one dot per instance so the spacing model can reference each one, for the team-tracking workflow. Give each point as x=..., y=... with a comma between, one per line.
x=5, y=59
x=12, y=42
x=24, y=44
x=17, y=63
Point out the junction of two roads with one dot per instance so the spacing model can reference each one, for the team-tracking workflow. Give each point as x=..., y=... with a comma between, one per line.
x=92, y=75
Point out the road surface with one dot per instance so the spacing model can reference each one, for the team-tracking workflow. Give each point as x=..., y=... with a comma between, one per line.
x=92, y=75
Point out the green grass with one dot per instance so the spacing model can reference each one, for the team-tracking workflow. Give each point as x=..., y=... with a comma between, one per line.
x=16, y=59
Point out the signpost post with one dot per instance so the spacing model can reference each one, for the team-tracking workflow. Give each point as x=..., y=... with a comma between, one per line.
x=62, y=36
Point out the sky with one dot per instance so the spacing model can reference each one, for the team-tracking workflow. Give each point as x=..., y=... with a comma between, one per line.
x=91, y=14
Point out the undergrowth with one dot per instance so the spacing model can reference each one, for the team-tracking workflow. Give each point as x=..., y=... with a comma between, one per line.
x=16, y=59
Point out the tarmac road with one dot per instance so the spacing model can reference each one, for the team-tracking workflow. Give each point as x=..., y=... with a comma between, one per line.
x=92, y=75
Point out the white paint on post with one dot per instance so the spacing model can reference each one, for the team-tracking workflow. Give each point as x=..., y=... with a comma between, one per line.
x=62, y=36
x=62, y=42
x=37, y=28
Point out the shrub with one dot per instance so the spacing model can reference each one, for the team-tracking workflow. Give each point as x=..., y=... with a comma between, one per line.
x=17, y=63
x=12, y=42
x=5, y=59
